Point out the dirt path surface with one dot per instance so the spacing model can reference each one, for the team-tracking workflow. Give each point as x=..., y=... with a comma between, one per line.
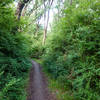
x=38, y=88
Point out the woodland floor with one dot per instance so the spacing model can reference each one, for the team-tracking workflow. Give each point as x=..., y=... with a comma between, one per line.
x=38, y=85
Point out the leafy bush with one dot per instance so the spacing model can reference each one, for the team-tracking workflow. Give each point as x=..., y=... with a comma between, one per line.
x=36, y=33
x=72, y=55
x=14, y=53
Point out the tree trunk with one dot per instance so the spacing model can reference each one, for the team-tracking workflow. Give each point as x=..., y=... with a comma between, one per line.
x=37, y=21
x=20, y=7
x=44, y=36
x=24, y=10
x=46, y=25
x=71, y=1
x=37, y=29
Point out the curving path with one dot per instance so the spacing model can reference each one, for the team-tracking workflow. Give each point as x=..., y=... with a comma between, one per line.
x=38, y=89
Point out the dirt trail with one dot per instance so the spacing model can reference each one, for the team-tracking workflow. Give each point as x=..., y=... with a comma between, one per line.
x=38, y=89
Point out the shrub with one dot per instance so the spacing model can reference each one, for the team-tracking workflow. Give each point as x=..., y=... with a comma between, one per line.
x=72, y=56
x=14, y=53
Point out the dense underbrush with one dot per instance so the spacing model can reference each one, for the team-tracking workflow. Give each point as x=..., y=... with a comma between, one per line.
x=14, y=55
x=73, y=50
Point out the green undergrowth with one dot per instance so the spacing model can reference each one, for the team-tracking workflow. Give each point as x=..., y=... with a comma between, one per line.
x=72, y=56
x=61, y=93
x=14, y=54
x=57, y=88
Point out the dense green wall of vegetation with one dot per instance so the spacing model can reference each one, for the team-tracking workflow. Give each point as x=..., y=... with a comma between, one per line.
x=71, y=54
x=14, y=53
x=73, y=50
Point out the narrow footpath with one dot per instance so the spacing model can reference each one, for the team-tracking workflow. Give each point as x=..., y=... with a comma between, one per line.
x=38, y=87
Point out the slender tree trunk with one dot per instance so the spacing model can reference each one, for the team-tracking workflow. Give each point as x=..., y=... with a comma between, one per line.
x=46, y=24
x=71, y=1
x=44, y=34
x=37, y=21
x=37, y=29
